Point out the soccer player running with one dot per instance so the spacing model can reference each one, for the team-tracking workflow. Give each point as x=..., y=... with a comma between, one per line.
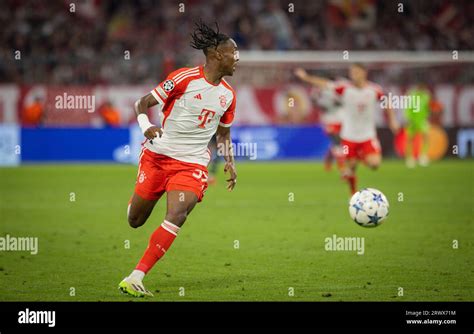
x=360, y=98
x=196, y=103
x=418, y=124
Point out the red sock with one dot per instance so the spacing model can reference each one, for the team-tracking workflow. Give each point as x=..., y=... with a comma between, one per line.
x=352, y=180
x=159, y=243
x=338, y=154
x=340, y=162
x=328, y=160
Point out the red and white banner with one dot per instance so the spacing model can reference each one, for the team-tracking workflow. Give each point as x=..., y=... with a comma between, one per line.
x=291, y=104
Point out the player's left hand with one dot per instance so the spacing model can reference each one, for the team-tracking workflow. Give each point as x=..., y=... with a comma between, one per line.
x=230, y=167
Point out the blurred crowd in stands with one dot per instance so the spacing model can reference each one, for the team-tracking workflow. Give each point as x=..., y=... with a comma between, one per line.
x=139, y=41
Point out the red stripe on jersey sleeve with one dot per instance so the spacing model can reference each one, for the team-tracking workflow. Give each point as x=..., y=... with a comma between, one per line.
x=169, y=86
x=378, y=91
x=229, y=114
x=379, y=95
x=181, y=72
x=159, y=95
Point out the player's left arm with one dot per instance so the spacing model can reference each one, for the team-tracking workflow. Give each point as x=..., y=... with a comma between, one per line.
x=224, y=145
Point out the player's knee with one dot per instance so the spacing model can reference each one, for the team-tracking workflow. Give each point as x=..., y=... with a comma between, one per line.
x=347, y=172
x=374, y=165
x=135, y=221
x=177, y=217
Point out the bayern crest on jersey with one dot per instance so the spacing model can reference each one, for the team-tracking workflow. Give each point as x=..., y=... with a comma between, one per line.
x=223, y=100
x=168, y=85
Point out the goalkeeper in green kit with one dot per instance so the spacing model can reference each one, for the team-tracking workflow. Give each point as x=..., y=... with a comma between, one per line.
x=418, y=123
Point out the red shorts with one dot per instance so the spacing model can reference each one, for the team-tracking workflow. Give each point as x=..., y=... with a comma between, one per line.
x=159, y=173
x=360, y=150
x=333, y=128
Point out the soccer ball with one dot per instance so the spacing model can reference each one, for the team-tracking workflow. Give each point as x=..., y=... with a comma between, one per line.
x=368, y=207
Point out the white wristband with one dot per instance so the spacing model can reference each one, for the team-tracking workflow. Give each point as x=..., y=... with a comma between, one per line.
x=144, y=122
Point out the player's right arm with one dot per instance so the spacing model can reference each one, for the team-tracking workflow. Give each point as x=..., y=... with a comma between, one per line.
x=165, y=92
x=319, y=82
x=141, y=106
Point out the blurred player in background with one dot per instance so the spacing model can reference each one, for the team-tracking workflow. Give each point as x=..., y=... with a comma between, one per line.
x=197, y=103
x=109, y=114
x=33, y=114
x=331, y=119
x=418, y=125
x=360, y=99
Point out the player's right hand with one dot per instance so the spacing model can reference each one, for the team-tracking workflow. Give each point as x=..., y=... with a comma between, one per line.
x=152, y=132
x=300, y=73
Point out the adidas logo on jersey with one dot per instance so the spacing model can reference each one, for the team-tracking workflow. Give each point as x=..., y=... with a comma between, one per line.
x=199, y=97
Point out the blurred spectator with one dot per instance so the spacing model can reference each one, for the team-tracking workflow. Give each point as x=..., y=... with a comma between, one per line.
x=128, y=42
x=436, y=110
x=33, y=113
x=356, y=15
x=274, y=23
x=109, y=114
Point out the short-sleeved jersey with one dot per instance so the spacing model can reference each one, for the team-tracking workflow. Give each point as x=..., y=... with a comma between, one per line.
x=360, y=106
x=192, y=109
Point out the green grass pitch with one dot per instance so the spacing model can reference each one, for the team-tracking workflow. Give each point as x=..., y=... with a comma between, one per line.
x=281, y=255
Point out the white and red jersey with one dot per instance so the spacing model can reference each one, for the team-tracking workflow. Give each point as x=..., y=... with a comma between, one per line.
x=360, y=106
x=192, y=110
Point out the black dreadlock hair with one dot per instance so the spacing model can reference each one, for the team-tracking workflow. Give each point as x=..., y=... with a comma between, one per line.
x=204, y=37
